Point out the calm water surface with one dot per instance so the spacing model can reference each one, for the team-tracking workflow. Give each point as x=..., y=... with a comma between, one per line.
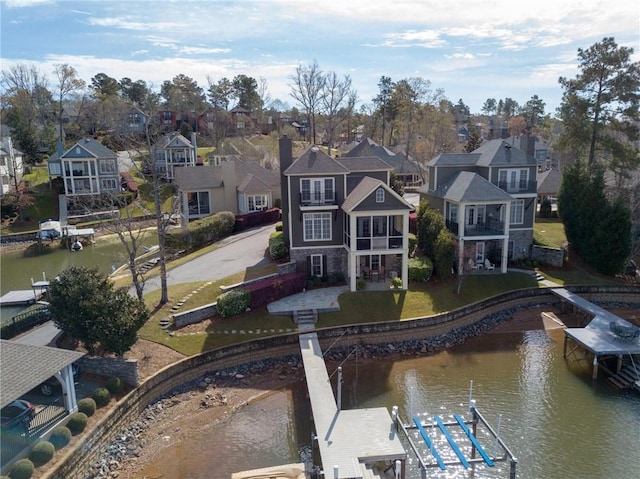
x=553, y=418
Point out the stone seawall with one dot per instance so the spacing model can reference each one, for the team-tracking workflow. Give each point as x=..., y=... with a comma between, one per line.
x=376, y=340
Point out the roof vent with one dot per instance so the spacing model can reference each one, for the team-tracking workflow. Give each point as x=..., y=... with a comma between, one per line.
x=507, y=146
x=315, y=149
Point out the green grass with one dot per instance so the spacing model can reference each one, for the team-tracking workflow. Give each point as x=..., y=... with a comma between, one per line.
x=422, y=299
x=550, y=231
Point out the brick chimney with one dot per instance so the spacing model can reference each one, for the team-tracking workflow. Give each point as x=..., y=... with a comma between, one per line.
x=286, y=158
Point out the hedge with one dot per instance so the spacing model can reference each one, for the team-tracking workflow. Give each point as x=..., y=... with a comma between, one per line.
x=271, y=289
x=22, y=469
x=60, y=437
x=277, y=245
x=256, y=218
x=42, y=453
x=233, y=302
x=201, y=232
x=420, y=269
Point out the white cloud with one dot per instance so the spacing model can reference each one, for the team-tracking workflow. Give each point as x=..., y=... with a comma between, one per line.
x=127, y=24
x=202, y=50
x=25, y=3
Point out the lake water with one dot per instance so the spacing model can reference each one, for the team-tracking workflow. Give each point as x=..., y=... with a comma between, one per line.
x=554, y=419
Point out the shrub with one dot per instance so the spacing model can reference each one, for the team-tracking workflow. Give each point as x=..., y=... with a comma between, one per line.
x=396, y=282
x=545, y=208
x=22, y=469
x=413, y=243
x=233, y=302
x=420, y=269
x=77, y=422
x=42, y=453
x=87, y=406
x=60, y=437
x=361, y=284
x=115, y=385
x=101, y=396
x=279, y=226
x=277, y=245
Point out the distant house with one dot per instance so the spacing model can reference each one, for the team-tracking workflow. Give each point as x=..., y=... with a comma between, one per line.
x=341, y=216
x=88, y=170
x=549, y=182
x=241, y=121
x=171, y=152
x=234, y=185
x=168, y=120
x=488, y=200
x=234, y=149
x=407, y=169
x=11, y=165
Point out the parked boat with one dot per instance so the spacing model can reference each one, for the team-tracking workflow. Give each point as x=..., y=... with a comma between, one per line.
x=49, y=229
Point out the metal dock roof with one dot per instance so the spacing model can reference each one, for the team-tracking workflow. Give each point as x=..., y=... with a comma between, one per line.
x=348, y=439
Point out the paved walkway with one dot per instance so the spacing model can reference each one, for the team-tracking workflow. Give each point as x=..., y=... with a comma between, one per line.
x=322, y=300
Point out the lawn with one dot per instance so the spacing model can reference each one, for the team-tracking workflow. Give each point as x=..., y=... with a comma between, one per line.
x=550, y=231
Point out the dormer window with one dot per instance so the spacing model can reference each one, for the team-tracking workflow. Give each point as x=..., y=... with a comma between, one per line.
x=380, y=195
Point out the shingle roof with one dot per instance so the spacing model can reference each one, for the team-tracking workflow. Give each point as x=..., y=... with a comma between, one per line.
x=366, y=187
x=25, y=366
x=397, y=161
x=549, y=182
x=315, y=161
x=364, y=163
x=468, y=187
x=176, y=138
x=198, y=177
x=454, y=159
x=500, y=152
x=93, y=147
x=252, y=183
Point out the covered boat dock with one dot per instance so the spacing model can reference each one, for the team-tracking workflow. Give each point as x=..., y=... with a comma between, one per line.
x=606, y=334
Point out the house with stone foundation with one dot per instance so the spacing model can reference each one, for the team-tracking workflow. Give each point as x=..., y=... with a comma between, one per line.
x=488, y=200
x=341, y=215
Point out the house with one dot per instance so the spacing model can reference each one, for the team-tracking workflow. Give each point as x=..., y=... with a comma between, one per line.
x=341, y=216
x=171, y=152
x=235, y=185
x=548, y=183
x=168, y=120
x=407, y=169
x=488, y=200
x=88, y=170
x=235, y=149
x=241, y=121
x=11, y=166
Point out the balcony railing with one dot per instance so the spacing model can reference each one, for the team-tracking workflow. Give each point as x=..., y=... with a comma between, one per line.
x=317, y=198
x=490, y=227
x=379, y=242
x=518, y=186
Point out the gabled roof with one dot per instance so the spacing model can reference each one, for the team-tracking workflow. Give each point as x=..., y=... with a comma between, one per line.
x=252, y=183
x=91, y=147
x=502, y=153
x=173, y=140
x=549, y=182
x=226, y=149
x=397, y=161
x=365, y=188
x=314, y=161
x=364, y=163
x=471, y=187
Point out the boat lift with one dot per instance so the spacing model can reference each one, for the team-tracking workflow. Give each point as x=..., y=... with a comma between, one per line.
x=459, y=434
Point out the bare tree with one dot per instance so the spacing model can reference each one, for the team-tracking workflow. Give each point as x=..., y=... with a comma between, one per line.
x=338, y=101
x=307, y=88
x=68, y=82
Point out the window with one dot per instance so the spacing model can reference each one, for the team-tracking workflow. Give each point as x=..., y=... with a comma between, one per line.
x=513, y=180
x=475, y=214
x=3, y=161
x=317, y=227
x=380, y=195
x=257, y=202
x=109, y=184
x=198, y=203
x=240, y=125
x=317, y=191
x=316, y=265
x=453, y=213
x=517, y=212
x=107, y=166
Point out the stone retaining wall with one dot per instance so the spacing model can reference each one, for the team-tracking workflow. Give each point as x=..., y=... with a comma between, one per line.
x=548, y=255
x=196, y=315
x=78, y=462
x=125, y=369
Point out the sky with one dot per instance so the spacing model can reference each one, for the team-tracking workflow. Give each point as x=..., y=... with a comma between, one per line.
x=470, y=49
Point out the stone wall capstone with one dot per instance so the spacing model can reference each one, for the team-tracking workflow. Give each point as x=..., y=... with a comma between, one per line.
x=548, y=255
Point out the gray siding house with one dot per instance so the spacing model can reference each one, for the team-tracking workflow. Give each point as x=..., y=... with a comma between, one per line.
x=488, y=200
x=341, y=215
x=171, y=152
x=88, y=170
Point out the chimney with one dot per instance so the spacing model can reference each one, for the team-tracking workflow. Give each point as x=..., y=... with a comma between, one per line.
x=195, y=146
x=286, y=159
x=230, y=186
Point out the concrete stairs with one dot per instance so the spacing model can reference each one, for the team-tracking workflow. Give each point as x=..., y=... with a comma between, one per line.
x=625, y=379
x=305, y=318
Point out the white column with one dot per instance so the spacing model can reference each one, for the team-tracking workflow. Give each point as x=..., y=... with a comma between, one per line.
x=405, y=251
x=68, y=389
x=353, y=259
x=505, y=245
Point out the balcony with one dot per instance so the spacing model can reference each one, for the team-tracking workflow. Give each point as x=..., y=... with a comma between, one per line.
x=379, y=243
x=491, y=227
x=317, y=198
x=518, y=186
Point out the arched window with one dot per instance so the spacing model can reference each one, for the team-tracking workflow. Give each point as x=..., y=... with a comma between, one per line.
x=380, y=195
